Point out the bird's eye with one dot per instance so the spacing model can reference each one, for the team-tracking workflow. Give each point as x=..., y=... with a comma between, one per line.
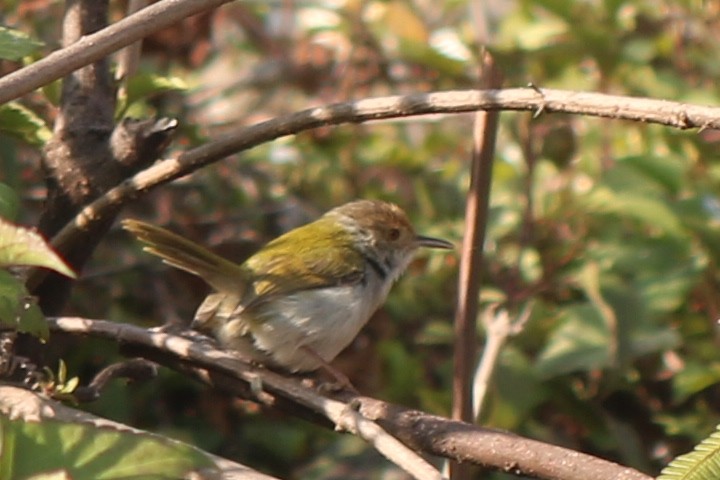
x=394, y=234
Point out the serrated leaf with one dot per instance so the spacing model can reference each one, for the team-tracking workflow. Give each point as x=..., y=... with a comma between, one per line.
x=702, y=463
x=86, y=451
x=14, y=44
x=18, y=309
x=22, y=246
x=21, y=122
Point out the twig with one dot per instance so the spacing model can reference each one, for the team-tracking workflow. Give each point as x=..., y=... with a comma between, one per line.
x=205, y=356
x=343, y=418
x=421, y=431
x=137, y=369
x=91, y=48
x=389, y=446
x=498, y=327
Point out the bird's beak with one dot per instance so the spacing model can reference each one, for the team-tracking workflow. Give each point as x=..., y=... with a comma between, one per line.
x=431, y=242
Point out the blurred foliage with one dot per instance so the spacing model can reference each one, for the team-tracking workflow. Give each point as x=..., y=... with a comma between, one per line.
x=610, y=228
x=20, y=246
x=84, y=451
x=15, y=44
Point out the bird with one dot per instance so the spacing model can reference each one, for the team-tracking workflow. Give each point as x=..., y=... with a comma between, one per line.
x=304, y=296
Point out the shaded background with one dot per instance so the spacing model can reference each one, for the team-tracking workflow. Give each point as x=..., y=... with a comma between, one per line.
x=610, y=229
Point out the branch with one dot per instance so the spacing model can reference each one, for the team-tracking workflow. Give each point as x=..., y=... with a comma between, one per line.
x=427, y=433
x=258, y=383
x=78, y=150
x=136, y=369
x=88, y=154
x=498, y=328
x=91, y=48
x=673, y=114
x=477, y=205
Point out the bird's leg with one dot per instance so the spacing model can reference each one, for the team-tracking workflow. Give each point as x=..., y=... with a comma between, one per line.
x=342, y=380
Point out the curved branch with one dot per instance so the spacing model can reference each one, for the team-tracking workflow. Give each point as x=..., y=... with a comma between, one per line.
x=673, y=114
x=427, y=433
x=91, y=48
x=256, y=380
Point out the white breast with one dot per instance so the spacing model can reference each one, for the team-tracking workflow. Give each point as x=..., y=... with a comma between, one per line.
x=325, y=320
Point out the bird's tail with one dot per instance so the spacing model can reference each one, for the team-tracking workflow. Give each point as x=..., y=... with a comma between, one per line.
x=221, y=274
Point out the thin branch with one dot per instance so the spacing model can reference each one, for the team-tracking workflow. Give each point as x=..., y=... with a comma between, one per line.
x=343, y=416
x=91, y=48
x=477, y=206
x=345, y=419
x=673, y=114
x=421, y=431
x=390, y=447
x=498, y=328
x=136, y=369
x=663, y=112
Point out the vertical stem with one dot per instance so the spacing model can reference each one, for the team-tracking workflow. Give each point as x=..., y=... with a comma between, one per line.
x=527, y=143
x=476, y=210
x=497, y=328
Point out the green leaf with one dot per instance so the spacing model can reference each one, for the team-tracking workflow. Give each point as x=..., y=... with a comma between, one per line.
x=702, y=463
x=517, y=390
x=145, y=85
x=693, y=378
x=589, y=280
x=531, y=36
x=21, y=122
x=18, y=309
x=402, y=370
x=9, y=202
x=84, y=451
x=21, y=246
x=8, y=450
x=647, y=339
x=14, y=44
x=650, y=211
x=667, y=171
x=580, y=342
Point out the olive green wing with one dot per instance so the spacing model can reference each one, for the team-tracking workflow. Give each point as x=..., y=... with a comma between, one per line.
x=287, y=265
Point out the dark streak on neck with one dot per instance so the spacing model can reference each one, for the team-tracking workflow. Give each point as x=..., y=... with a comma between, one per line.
x=382, y=273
